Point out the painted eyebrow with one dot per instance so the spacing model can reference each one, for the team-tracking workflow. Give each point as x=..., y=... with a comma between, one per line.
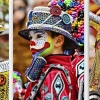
x=39, y=31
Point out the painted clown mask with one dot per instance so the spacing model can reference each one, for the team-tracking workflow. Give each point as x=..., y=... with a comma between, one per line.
x=41, y=43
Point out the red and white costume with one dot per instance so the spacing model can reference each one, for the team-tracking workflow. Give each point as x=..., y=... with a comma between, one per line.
x=56, y=85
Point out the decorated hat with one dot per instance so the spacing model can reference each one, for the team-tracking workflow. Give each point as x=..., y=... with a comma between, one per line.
x=52, y=18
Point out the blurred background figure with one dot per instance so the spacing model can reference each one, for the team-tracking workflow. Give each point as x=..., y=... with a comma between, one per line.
x=93, y=30
x=19, y=11
x=21, y=58
x=34, y=3
x=4, y=45
x=4, y=30
x=17, y=85
x=21, y=52
x=4, y=49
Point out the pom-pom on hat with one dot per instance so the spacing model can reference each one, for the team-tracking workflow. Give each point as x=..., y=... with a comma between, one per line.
x=16, y=77
x=50, y=19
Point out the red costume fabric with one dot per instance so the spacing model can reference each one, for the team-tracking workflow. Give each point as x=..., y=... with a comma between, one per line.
x=55, y=84
x=78, y=67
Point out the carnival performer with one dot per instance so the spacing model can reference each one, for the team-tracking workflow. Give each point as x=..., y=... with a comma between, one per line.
x=51, y=74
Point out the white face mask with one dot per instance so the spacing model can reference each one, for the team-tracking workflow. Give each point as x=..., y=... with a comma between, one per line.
x=17, y=87
x=38, y=40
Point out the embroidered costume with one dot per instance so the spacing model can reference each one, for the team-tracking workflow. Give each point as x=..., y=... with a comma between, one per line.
x=56, y=84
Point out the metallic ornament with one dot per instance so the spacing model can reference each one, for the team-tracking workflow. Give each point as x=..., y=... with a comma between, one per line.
x=97, y=2
x=94, y=17
x=2, y=79
x=4, y=85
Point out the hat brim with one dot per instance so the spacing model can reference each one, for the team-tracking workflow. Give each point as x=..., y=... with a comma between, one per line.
x=72, y=44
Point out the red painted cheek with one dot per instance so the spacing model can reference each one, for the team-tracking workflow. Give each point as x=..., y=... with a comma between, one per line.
x=16, y=88
x=32, y=43
x=47, y=45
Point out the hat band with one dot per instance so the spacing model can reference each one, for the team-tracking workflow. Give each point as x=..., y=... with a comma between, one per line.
x=51, y=27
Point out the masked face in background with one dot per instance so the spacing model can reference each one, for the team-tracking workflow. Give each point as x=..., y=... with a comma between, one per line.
x=41, y=43
x=17, y=87
x=19, y=11
x=4, y=46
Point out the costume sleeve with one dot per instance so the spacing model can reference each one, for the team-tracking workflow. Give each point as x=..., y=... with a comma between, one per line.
x=78, y=67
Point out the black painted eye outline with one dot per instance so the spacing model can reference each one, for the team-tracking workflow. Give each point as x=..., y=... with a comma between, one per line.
x=30, y=37
x=39, y=35
x=38, y=32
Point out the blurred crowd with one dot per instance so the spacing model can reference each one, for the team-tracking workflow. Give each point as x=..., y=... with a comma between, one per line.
x=21, y=51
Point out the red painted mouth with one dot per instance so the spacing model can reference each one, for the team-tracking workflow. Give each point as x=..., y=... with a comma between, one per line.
x=47, y=45
x=32, y=43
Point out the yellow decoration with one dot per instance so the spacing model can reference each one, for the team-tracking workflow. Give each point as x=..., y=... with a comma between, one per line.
x=1, y=28
x=95, y=25
x=95, y=72
x=98, y=36
x=4, y=86
x=98, y=12
x=4, y=2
